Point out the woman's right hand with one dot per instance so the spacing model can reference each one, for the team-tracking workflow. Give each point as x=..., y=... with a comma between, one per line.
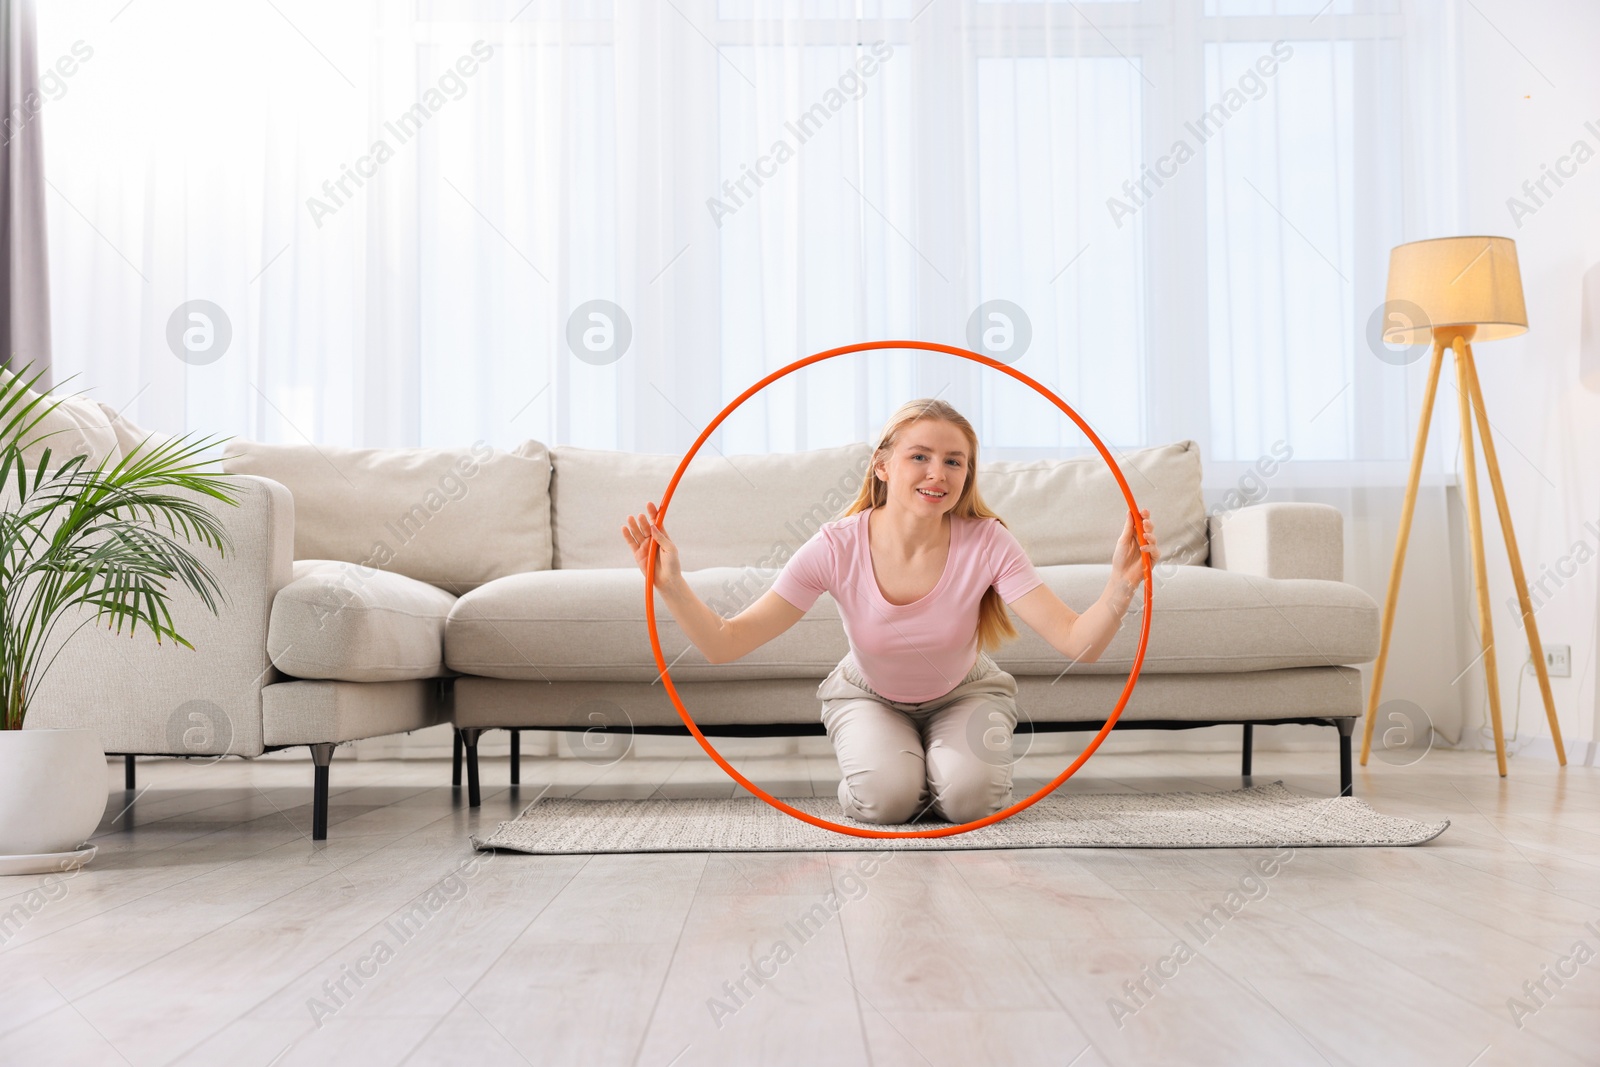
x=643, y=535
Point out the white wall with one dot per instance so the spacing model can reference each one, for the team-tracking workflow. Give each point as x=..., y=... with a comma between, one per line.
x=1518, y=114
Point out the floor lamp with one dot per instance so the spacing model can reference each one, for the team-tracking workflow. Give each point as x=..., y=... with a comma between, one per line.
x=1452, y=291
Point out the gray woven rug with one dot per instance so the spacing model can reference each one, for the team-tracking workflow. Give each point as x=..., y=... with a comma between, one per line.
x=1264, y=816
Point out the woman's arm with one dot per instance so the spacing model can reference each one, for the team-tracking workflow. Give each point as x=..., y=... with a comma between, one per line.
x=1084, y=637
x=753, y=627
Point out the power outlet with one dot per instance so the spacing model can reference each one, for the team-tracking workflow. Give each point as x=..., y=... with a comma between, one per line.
x=1558, y=661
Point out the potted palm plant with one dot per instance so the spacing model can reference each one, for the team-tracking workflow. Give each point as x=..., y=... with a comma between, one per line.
x=82, y=545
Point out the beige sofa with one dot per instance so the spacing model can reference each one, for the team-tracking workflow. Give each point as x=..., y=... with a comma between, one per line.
x=374, y=592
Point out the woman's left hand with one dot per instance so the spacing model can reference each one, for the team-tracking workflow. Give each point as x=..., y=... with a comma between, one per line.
x=1126, y=561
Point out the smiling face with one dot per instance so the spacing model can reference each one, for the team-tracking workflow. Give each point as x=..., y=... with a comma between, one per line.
x=928, y=468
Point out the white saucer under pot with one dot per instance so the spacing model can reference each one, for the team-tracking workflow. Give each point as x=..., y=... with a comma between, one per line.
x=48, y=863
x=52, y=791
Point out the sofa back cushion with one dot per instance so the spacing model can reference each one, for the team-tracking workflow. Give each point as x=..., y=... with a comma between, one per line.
x=728, y=511
x=755, y=510
x=455, y=518
x=1072, y=510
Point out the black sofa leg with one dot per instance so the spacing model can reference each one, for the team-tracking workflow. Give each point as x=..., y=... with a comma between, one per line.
x=455, y=762
x=1244, y=762
x=516, y=757
x=469, y=741
x=1346, y=779
x=127, y=772
x=321, y=755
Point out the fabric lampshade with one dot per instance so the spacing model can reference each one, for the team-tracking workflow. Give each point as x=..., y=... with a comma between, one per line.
x=1454, y=281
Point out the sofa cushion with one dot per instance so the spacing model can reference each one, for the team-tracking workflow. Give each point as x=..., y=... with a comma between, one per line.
x=454, y=518
x=341, y=622
x=129, y=436
x=572, y=625
x=1210, y=621
x=568, y=624
x=1072, y=511
x=77, y=426
x=728, y=511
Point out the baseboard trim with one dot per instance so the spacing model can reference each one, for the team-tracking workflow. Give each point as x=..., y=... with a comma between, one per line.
x=1579, y=753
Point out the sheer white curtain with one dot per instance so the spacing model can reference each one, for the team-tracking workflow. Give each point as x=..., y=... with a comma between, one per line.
x=404, y=212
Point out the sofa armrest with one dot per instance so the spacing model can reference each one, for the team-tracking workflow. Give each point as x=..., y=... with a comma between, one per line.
x=165, y=699
x=1286, y=540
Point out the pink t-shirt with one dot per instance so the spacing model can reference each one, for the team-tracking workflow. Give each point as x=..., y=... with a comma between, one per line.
x=918, y=651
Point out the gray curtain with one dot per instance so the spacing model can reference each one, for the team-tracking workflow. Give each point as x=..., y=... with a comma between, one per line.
x=24, y=277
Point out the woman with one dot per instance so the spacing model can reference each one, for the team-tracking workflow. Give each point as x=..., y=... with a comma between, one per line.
x=919, y=714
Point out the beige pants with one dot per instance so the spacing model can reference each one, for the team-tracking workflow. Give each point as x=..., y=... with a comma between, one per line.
x=951, y=754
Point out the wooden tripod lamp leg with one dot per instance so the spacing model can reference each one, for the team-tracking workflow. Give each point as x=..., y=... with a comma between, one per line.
x=1517, y=575
x=1480, y=579
x=1406, y=511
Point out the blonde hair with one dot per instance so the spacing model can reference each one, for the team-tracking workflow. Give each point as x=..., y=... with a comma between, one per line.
x=994, y=625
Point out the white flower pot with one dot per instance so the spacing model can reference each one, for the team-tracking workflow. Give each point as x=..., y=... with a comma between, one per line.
x=52, y=790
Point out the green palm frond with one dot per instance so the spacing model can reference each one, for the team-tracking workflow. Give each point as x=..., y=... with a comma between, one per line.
x=115, y=541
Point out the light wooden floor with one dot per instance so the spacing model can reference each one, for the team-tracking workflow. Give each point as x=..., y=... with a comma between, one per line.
x=209, y=929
